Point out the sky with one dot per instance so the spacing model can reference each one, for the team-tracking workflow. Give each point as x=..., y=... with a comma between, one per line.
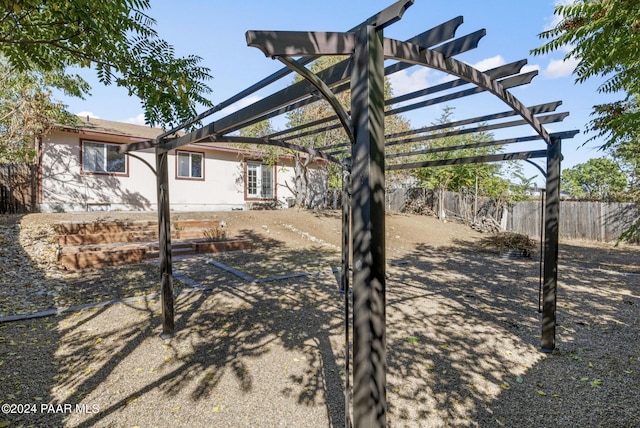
x=215, y=31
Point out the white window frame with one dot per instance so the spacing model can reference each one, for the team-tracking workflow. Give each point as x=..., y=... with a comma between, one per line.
x=102, y=158
x=264, y=177
x=191, y=155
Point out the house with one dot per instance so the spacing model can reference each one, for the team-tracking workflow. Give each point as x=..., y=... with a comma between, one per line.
x=81, y=169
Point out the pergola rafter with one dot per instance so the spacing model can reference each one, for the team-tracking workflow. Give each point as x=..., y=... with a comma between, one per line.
x=364, y=167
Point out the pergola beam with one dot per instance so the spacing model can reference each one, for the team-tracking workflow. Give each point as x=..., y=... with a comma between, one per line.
x=332, y=76
x=452, y=48
x=536, y=109
x=465, y=146
x=427, y=39
x=311, y=43
x=331, y=98
x=469, y=160
x=337, y=74
x=509, y=82
x=387, y=16
x=551, y=118
x=407, y=52
x=271, y=142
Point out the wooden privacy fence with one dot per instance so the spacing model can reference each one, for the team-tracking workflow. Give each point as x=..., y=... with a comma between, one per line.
x=458, y=206
x=18, y=188
x=593, y=221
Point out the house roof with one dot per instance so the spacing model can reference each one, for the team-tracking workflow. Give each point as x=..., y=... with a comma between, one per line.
x=91, y=124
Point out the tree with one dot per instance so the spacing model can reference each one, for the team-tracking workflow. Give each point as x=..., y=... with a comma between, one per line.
x=117, y=39
x=598, y=178
x=27, y=111
x=482, y=178
x=604, y=36
x=320, y=110
x=311, y=112
x=258, y=130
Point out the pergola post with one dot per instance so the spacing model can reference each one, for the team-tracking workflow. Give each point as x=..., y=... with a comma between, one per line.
x=346, y=224
x=164, y=235
x=552, y=216
x=344, y=280
x=368, y=230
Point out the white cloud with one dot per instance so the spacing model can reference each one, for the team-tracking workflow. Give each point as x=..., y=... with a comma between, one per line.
x=530, y=67
x=551, y=22
x=554, y=20
x=87, y=113
x=239, y=105
x=137, y=120
x=560, y=68
x=403, y=83
x=489, y=63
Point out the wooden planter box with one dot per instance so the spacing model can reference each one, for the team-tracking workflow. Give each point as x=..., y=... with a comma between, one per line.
x=233, y=244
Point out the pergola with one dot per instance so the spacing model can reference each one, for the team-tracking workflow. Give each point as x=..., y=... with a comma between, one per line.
x=363, y=226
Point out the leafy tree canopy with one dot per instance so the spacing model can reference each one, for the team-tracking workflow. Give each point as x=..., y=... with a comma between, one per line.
x=114, y=37
x=461, y=177
x=604, y=36
x=322, y=109
x=27, y=110
x=598, y=178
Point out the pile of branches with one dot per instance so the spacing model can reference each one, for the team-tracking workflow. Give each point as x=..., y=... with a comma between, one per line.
x=486, y=225
x=418, y=206
x=510, y=241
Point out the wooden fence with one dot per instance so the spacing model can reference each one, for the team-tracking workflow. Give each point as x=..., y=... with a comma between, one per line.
x=18, y=188
x=593, y=221
x=458, y=206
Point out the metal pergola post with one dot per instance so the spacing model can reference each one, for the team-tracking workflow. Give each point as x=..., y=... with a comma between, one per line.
x=552, y=217
x=368, y=230
x=344, y=281
x=164, y=235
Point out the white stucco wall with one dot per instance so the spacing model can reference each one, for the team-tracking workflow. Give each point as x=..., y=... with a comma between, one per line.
x=66, y=188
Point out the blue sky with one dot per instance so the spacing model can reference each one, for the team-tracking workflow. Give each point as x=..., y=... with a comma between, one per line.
x=215, y=30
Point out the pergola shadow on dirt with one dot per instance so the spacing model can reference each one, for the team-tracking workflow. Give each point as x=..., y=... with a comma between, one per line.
x=364, y=165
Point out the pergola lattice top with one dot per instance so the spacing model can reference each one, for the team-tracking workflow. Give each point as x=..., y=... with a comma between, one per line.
x=434, y=48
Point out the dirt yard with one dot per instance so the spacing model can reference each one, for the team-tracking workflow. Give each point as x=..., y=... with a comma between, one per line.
x=463, y=331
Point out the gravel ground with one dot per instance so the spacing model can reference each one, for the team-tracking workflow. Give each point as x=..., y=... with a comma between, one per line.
x=462, y=333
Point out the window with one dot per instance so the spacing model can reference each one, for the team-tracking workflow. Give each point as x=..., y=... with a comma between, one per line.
x=103, y=158
x=260, y=182
x=190, y=165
